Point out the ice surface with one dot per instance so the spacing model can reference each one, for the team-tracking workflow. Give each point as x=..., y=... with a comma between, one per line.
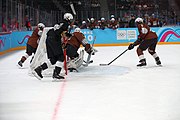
x=119, y=91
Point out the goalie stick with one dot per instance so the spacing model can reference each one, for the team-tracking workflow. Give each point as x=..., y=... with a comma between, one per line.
x=88, y=61
x=114, y=59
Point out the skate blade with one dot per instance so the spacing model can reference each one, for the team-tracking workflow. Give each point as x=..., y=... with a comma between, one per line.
x=73, y=69
x=36, y=75
x=62, y=74
x=19, y=66
x=57, y=80
x=160, y=65
x=141, y=67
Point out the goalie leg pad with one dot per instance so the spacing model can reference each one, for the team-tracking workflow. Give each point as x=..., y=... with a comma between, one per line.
x=76, y=62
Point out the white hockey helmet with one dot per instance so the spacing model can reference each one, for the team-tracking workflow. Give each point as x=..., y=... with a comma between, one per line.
x=41, y=25
x=139, y=20
x=112, y=16
x=68, y=16
x=112, y=19
x=83, y=22
x=92, y=19
x=102, y=19
x=77, y=30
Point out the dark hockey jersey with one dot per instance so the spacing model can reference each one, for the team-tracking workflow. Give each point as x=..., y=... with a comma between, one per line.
x=78, y=39
x=32, y=41
x=145, y=33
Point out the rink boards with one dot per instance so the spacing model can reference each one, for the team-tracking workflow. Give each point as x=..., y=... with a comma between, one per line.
x=108, y=37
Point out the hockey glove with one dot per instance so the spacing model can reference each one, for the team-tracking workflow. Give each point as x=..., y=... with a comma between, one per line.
x=64, y=46
x=88, y=48
x=131, y=46
x=89, y=51
x=68, y=34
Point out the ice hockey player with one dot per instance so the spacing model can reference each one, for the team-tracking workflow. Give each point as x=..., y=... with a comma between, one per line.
x=146, y=39
x=32, y=43
x=72, y=46
x=54, y=49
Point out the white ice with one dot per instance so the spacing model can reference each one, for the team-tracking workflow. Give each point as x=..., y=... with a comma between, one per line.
x=119, y=91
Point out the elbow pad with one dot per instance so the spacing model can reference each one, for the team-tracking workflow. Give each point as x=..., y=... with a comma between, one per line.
x=40, y=32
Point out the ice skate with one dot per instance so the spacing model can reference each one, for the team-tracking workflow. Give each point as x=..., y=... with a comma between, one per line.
x=56, y=76
x=142, y=63
x=38, y=73
x=72, y=69
x=158, y=62
x=20, y=64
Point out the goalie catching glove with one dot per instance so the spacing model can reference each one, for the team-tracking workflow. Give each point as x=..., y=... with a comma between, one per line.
x=89, y=49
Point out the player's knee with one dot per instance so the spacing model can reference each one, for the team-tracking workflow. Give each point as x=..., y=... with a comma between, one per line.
x=139, y=51
x=151, y=51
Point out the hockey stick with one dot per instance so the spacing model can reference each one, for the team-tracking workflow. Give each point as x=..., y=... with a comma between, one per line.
x=74, y=12
x=114, y=59
x=72, y=8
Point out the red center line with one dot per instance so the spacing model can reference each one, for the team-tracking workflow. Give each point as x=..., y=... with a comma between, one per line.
x=59, y=100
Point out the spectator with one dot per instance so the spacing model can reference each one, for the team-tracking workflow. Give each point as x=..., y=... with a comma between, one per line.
x=154, y=22
x=84, y=25
x=4, y=27
x=132, y=22
x=92, y=24
x=102, y=24
x=28, y=23
x=113, y=24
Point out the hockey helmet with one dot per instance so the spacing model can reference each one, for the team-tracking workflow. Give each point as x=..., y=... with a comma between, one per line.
x=139, y=20
x=83, y=22
x=68, y=16
x=102, y=19
x=112, y=16
x=41, y=26
x=112, y=19
x=77, y=30
x=92, y=19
